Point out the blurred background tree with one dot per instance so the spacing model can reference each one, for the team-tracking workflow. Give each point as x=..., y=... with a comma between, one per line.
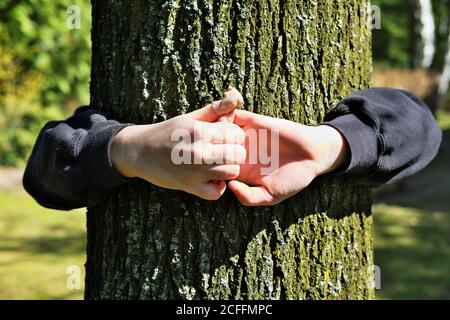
x=400, y=42
x=413, y=43
x=392, y=44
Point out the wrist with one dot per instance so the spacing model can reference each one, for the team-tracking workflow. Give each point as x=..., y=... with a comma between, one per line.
x=122, y=153
x=337, y=149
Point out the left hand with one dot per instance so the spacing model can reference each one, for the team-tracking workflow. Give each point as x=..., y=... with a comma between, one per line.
x=147, y=151
x=304, y=154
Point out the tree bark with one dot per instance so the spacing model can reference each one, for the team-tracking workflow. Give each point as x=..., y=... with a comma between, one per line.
x=294, y=59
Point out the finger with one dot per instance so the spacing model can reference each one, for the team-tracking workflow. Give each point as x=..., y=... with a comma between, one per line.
x=223, y=172
x=224, y=154
x=222, y=133
x=210, y=191
x=210, y=113
x=232, y=99
x=251, y=196
x=242, y=117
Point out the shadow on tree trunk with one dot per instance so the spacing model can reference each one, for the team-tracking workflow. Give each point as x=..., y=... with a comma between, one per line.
x=177, y=246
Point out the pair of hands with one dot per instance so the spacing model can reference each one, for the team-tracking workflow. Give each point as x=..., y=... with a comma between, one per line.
x=221, y=131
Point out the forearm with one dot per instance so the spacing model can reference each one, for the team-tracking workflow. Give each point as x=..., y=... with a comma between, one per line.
x=77, y=162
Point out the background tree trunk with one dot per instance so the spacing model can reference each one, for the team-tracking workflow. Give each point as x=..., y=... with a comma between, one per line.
x=425, y=34
x=294, y=59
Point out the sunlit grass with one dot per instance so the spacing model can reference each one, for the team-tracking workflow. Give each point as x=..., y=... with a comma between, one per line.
x=444, y=119
x=412, y=249
x=36, y=247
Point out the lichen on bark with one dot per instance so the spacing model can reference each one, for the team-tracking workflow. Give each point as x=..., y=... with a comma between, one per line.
x=293, y=59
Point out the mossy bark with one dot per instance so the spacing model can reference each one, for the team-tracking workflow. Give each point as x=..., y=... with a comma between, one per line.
x=294, y=59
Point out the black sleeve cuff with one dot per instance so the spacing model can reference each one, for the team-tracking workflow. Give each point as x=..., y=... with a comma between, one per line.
x=363, y=144
x=95, y=160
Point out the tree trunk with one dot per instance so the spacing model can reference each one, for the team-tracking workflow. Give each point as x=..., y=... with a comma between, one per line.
x=294, y=59
x=426, y=40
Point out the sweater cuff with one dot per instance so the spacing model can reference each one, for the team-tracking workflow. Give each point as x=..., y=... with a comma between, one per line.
x=96, y=161
x=362, y=142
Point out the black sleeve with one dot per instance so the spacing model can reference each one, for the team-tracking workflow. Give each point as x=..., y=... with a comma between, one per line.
x=70, y=166
x=391, y=135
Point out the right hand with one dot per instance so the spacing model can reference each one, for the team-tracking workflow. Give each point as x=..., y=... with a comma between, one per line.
x=146, y=151
x=303, y=153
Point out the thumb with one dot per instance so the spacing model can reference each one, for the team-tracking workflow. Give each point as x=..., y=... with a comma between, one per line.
x=251, y=196
x=211, y=113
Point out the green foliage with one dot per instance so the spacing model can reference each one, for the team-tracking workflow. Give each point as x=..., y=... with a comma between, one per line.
x=392, y=44
x=42, y=42
x=44, y=69
x=20, y=113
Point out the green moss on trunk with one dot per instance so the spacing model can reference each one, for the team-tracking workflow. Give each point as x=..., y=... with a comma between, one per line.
x=293, y=59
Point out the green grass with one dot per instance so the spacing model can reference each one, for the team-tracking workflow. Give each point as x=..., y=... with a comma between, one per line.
x=444, y=120
x=412, y=240
x=36, y=248
x=412, y=249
